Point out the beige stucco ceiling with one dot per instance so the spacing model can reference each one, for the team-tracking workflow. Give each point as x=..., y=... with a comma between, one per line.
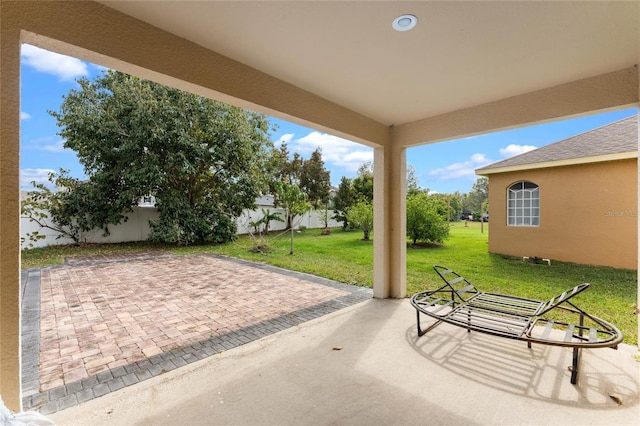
x=460, y=54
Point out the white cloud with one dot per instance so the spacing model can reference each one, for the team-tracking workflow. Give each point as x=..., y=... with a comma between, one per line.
x=335, y=151
x=29, y=175
x=46, y=143
x=24, y=115
x=56, y=147
x=286, y=138
x=480, y=159
x=64, y=67
x=461, y=169
x=513, y=150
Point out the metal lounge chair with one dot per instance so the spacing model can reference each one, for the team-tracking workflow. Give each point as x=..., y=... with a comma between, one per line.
x=556, y=322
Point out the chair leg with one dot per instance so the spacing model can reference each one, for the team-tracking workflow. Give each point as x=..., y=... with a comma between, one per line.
x=576, y=354
x=422, y=332
x=575, y=365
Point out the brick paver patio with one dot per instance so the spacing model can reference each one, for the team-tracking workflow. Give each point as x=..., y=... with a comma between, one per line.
x=106, y=322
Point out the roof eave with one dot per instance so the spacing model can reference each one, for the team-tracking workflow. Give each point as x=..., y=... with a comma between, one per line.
x=559, y=163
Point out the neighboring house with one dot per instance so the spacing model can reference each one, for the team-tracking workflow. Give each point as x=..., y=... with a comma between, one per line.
x=574, y=200
x=148, y=201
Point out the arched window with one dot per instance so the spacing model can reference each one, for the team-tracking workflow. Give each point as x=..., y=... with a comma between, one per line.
x=523, y=204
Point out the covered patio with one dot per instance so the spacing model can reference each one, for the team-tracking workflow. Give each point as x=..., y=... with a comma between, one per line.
x=467, y=68
x=381, y=374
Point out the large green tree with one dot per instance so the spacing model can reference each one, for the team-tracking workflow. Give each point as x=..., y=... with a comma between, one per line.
x=363, y=183
x=285, y=167
x=477, y=197
x=315, y=180
x=450, y=205
x=455, y=205
x=345, y=197
x=201, y=159
x=413, y=186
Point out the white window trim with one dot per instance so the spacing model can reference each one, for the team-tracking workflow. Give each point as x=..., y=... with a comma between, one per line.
x=530, y=218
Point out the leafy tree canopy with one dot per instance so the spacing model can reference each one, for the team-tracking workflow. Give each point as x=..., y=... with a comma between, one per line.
x=310, y=176
x=451, y=205
x=294, y=201
x=315, y=180
x=425, y=221
x=285, y=167
x=360, y=216
x=413, y=186
x=365, y=169
x=363, y=183
x=345, y=197
x=65, y=210
x=478, y=195
x=352, y=191
x=201, y=159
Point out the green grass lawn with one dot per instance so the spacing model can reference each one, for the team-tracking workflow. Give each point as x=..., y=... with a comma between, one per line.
x=342, y=256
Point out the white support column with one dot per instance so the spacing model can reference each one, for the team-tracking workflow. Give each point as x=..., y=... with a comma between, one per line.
x=389, y=229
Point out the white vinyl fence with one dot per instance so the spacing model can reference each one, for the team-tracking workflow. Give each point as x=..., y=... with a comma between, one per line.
x=137, y=228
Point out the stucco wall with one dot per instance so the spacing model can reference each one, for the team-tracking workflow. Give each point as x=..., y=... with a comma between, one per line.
x=588, y=214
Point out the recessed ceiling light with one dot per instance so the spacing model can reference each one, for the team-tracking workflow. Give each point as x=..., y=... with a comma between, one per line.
x=404, y=22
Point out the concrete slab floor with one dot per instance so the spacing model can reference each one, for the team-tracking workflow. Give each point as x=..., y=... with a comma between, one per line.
x=365, y=365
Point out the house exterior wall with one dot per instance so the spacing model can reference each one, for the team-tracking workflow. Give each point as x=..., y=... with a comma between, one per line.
x=588, y=214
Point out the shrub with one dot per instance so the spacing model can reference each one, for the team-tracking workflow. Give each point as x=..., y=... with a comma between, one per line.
x=361, y=216
x=424, y=222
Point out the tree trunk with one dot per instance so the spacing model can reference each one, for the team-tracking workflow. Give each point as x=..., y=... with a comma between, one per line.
x=291, y=250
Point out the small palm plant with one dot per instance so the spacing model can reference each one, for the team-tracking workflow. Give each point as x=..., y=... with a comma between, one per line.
x=261, y=230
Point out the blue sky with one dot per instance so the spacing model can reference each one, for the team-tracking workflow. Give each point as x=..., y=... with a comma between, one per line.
x=443, y=167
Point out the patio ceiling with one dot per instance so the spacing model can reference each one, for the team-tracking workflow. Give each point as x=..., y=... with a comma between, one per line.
x=461, y=54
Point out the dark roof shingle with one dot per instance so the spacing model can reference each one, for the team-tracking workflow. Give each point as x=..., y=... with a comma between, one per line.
x=620, y=136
